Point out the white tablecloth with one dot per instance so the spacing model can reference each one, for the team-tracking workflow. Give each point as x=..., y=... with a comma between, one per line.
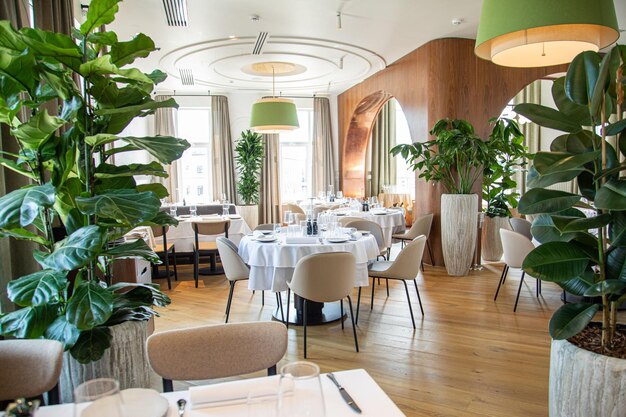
x=183, y=234
x=272, y=264
x=358, y=383
x=392, y=222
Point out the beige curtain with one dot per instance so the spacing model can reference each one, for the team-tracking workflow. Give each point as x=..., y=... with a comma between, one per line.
x=383, y=166
x=323, y=153
x=532, y=132
x=224, y=180
x=269, y=202
x=165, y=125
x=54, y=15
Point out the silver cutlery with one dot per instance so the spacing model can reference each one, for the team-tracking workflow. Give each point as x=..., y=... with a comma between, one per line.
x=344, y=394
x=181, y=407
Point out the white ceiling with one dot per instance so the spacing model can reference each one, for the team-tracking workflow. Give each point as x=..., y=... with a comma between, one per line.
x=374, y=34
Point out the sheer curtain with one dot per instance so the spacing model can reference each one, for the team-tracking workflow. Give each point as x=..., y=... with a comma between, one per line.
x=269, y=201
x=383, y=165
x=224, y=180
x=165, y=125
x=323, y=153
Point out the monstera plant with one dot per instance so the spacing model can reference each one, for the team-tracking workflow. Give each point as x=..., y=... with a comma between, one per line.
x=65, y=101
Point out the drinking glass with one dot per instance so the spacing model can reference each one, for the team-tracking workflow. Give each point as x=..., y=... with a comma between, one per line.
x=300, y=391
x=173, y=210
x=102, y=394
x=339, y=194
x=193, y=210
x=303, y=227
x=277, y=228
x=286, y=216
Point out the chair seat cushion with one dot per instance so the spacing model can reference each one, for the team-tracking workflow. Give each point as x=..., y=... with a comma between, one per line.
x=212, y=246
x=158, y=248
x=379, y=268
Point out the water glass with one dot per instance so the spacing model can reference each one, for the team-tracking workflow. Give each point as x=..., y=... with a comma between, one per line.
x=300, y=391
x=193, y=210
x=173, y=210
x=339, y=194
x=286, y=216
x=277, y=228
x=302, y=227
x=101, y=395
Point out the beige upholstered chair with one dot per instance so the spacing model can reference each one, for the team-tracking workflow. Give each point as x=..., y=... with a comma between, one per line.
x=294, y=208
x=265, y=226
x=405, y=267
x=164, y=250
x=235, y=268
x=344, y=220
x=516, y=246
x=210, y=228
x=29, y=368
x=376, y=231
x=421, y=226
x=325, y=277
x=521, y=226
x=216, y=351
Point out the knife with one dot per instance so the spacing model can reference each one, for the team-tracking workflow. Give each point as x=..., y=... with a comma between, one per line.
x=344, y=394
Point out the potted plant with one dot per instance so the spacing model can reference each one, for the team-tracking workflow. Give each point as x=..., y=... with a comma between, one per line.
x=582, y=236
x=67, y=157
x=454, y=159
x=249, y=158
x=506, y=156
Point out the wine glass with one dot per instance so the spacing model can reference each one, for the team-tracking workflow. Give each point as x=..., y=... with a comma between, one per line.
x=101, y=395
x=193, y=210
x=300, y=391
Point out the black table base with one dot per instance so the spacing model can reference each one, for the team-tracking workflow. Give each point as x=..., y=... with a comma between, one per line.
x=318, y=313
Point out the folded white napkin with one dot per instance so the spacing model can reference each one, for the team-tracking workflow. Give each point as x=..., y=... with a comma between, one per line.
x=355, y=235
x=232, y=393
x=257, y=233
x=301, y=240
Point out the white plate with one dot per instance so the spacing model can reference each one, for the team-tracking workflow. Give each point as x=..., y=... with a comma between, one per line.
x=364, y=232
x=138, y=402
x=337, y=239
x=234, y=216
x=269, y=238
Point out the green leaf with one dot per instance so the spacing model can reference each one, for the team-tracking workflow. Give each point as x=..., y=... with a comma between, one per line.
x=600, y=86
x=138, y=108
x=581, y=77
x=554, y=162
x=126, y=206
x=138, y=248
x=161, y=219
x=570, y=319
x=91, y=344
x=580, y=142
x=616, y=264
x=165, y=149
x=10, y=40
x=103, y=38
x=612, y=196
x=103, y=66
x=21, y=207
x=113, y=171
x=548, y=117
x=76, y=250
x=544, y=230
x=62, y=331
x=28, y=322
x=576, y=286
x=147, y=294
x=20, y=69
x=555, y=261
x=538, y=200
x=573, y=224
x=90, y=306
x=124, y=53
x=616, y=128
x=617, y=229
x=573, y=110
x=37, y=130
x=56, y=46
x=100, y=12
x=37, y=288
x=606, y=287
x=536, y=180
x=23, y=234
x=158, y=189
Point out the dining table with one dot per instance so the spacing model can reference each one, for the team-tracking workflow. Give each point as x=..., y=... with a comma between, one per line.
x=391, y=221
x=363, y=389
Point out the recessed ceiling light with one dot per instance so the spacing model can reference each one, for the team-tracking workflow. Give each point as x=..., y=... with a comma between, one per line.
x=232, y=37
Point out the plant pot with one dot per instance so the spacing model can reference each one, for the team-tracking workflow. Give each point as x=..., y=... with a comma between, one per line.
x=584, y=383
x=250, y=214
x=126, y=361
x=491, y=243
x=459, y=216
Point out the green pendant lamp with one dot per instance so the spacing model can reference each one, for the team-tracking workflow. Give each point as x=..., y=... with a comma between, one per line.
x=274, y=114
x=538, y=33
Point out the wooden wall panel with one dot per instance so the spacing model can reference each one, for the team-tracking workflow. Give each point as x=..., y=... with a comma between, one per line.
x=442, y=78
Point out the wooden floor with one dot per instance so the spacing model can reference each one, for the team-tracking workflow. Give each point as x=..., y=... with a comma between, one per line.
x=469, y=356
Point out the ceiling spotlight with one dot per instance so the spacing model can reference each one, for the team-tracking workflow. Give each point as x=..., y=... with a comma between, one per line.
x=338, y=20
x=255, y=17
x=232, y=37
x=341, y=63
x=457, y=21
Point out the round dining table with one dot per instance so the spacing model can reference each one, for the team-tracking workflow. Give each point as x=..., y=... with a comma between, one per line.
x=391, y=221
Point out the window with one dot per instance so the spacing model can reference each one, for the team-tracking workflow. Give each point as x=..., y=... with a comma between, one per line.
x=194, y=175
x=405, y=177
x=296, y=154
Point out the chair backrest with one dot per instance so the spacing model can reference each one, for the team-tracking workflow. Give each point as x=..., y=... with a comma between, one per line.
x=421, y=226
x=158, y=231
x=344, y=220
x=516, y=246
x=373, y=227
x=521, y=226
x=294, y=208
x=407, y=263
x=217, y=351
x=298, y=217
x=212, y=228
x=234, y=267
x=324, y=277
x=29, y=367
x=265, y=226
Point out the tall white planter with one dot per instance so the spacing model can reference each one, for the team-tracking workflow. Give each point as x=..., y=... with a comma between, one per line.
x=250, y=214
x=459, y=216
x=585, y=384
x=491, y=248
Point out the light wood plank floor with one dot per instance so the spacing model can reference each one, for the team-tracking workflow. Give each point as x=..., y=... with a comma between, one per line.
x=469, y=356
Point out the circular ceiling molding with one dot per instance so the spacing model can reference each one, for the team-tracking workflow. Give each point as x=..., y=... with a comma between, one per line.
x=303, y=65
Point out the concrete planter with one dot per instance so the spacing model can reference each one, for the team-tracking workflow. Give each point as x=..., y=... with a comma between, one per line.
x=126, y=360
x=459, y=217
x=250, y=214
x=585, y=384
x=491, y=244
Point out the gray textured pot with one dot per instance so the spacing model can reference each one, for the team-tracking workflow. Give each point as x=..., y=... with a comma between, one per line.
x=491, y=247
x=459, y=223
x=126, y=360
x=585, y=384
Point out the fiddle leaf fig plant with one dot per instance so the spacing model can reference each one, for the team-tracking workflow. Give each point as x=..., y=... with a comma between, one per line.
x=68, y=136
x=583, y=248
x=249, y=158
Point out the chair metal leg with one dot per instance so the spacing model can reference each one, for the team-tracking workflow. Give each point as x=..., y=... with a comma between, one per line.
x=356, y=342
x=195, y=267
x=430, y=253
x=387, y=283
x=175, y=266
x=564, y=297
x=341, y=308
x=288, y=306
x=230, y=298
x=263, y=298
x=372, y=302
x=521, y=281
x=279, y=304
x=304, y=323
x=505, y=270
x=358, y=305
x=54, y=396
x=418, y=297
x=271, y=371
x=167, y=269
x=537, y=287
x=168, y=386
x=408, y=298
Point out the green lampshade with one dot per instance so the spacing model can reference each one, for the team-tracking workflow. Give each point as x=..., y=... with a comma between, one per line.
x=274, y=115
x=537, y=33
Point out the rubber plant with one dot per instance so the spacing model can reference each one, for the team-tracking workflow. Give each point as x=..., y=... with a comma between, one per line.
x=584, y=255
x=454, y=158
x=507, y=154
x=249, y=158
x=68, y=156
